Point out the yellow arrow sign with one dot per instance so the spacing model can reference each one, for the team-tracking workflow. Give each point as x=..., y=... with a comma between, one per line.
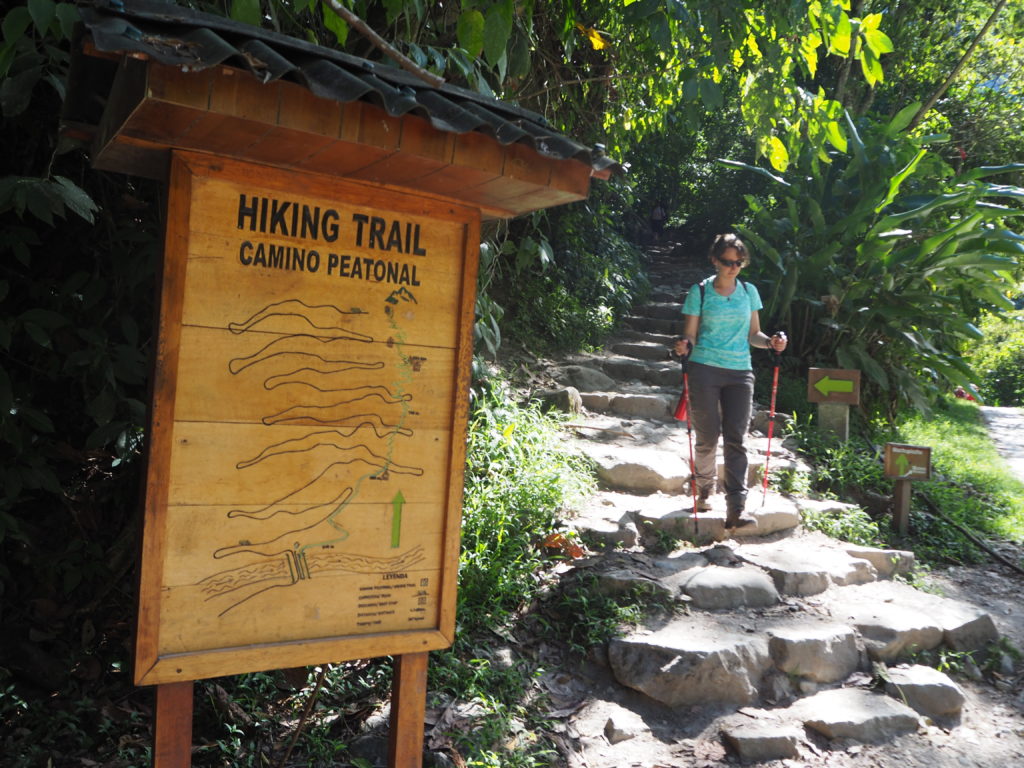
x=827, y=385
x=902, y=464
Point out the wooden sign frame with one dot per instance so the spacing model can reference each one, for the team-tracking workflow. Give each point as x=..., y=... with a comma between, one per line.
x=195, y=351
x=919, y=461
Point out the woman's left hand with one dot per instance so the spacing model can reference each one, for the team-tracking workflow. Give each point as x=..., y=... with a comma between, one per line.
x=778, y=342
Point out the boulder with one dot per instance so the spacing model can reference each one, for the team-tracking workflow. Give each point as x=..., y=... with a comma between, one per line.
x=642, y=470
x=623, y=725
x=854, y=713
x=643, y=406
x=925, y=690
x=761, y=741
x=586, y=379
x=823, y=653
x=566, y=399
x=689, y=663
x=721, y=588
x=887, y=562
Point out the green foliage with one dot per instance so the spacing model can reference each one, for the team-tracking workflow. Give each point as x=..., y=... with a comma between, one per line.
x=565, y=293
x=998, y=359
x=78, y=255
x=841, y=470
x=854, y=526
x=881, y=259
x=677, y=166
x=983, y=108
x=518, y=478
x=972, y=484
x=582, y=616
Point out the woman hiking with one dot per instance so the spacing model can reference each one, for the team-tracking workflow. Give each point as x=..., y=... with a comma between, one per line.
x=721, y=323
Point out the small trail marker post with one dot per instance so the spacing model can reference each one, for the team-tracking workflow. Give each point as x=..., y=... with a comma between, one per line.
x=834, y=390
x=905, y=463
x=311, y=380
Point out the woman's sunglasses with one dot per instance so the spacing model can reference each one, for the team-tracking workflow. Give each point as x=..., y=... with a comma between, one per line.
x=727, y=263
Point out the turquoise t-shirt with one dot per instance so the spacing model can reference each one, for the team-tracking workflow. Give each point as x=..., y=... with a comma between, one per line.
x=723, y=339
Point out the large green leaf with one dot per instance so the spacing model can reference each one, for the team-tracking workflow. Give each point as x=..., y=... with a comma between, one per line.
x=990, y=170
x=894, y=183
x=902, y=119
x=335, y=23
x=497, y=30
x=755, y=169
x=469, y=30
x=15, y=23
x=75, y=198
x=43, y=13
x=246, y=11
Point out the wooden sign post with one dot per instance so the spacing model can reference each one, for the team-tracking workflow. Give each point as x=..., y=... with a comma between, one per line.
x=834, y=390
x=306, y=460
x=905, y=463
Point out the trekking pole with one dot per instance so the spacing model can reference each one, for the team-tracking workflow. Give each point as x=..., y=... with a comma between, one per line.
x=682, y=413
x=771, y=426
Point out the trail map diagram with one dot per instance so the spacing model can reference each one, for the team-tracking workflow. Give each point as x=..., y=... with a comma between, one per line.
x=355, y=430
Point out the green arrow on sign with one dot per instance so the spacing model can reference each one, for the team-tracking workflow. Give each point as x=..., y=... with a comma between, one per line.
x=827, y=385
x=396, y=519
x=902, y=464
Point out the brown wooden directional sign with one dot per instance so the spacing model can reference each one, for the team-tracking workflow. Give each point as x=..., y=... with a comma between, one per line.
x=305, y=476
x=833, y=385
x=908, y=462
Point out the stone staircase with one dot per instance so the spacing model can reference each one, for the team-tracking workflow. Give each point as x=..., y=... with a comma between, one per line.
x=782, y=639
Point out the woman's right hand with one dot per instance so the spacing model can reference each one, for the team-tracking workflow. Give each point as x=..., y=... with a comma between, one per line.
x=683, y=347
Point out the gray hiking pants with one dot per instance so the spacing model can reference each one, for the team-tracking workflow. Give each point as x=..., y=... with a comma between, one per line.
x=720, y=404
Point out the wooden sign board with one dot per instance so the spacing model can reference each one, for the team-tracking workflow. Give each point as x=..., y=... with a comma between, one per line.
x=833, y=385
x=908, y=462
x=308, y=430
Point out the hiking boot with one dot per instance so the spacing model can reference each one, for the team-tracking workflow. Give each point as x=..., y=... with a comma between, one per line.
x=732, y=525
x=704, y=500
x=733, y=514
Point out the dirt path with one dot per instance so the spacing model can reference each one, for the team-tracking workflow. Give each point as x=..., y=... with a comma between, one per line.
x=1006, y=426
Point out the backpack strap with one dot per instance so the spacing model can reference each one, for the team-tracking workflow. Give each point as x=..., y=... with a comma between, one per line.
x=745, y=286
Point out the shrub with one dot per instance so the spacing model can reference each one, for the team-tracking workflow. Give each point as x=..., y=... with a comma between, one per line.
x=998, y=360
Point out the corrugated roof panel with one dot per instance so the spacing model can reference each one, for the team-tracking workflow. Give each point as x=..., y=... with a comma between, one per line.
x=190, y=40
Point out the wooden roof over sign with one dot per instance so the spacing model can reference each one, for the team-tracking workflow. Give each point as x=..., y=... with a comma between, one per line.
x=170, y=77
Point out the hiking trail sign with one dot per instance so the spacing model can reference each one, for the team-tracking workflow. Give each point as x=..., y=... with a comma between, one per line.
x=908, y=462
x=834, y=390
x=833, y=385
x=905, y=463
x=306, y=460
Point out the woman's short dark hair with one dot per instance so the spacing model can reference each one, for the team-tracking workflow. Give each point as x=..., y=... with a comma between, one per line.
x=724, y=242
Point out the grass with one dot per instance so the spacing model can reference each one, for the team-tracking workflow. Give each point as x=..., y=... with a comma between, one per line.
x=964, y=457
x=971, y=483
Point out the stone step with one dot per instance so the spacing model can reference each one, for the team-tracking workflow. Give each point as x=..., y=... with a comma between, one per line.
x=672, y=327
x=641, y=350
x=722, y=658
x=637, y=469
x=691, y=662
x=665, y=310
x=665, y=294
x=854, y=713
x=651, y=405
x=895, y=619
x=800, y=570
x=666, y=340
x=778, y=514
x=664, y=373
